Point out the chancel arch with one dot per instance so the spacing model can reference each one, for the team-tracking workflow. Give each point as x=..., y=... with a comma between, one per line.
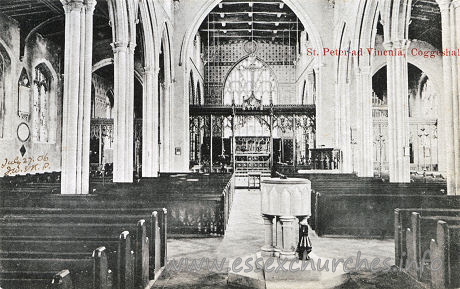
x=252, y=118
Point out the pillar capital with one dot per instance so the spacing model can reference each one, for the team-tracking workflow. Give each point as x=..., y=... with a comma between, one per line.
x=119, y=46
x=72, y=5
x=456, y=3
x=90, y=5
x=148, y=69
x=131, y=46
x=401, y=44
x=268, y=219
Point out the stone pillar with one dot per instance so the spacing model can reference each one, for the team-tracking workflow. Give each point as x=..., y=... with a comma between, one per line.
x=398, y=111
x=150, y=124
x=123, y=130
x=288, y=240
x=77, y=96
x=345, y=131
x=364, y=90
x=268, y=248
x=88, y=51
x=165, y=136
x=455, y=26
x=446, y=119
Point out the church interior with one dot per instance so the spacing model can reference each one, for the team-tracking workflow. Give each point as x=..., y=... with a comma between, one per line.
x=135, y=134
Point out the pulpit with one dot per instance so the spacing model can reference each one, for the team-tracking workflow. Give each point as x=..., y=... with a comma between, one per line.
x=287, y=200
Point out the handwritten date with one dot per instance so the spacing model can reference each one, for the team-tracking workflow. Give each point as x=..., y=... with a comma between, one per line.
x=25, y=164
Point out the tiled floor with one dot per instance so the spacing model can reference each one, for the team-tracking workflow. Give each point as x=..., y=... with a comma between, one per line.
x=245, y=236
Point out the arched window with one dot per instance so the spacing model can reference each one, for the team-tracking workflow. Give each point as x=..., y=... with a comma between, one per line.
x=251, y=82
x=41, y=101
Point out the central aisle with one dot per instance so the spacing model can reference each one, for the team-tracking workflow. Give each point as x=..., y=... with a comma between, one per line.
x=245, y=236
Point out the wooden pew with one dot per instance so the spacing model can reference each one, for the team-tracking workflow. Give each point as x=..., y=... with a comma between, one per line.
x=72, y=247
x=348, y=183
x=81, y=224
x=125, y=262
x=402, y=220
x=23, y=270
x=102, y=275
x=445, y=253
x=15, y=280
x=418, y=238
x=369, y=215
x=93, y=272
x=197, y=204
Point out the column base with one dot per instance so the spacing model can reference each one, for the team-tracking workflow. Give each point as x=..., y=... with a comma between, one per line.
x=290, y=255
x=269, y=251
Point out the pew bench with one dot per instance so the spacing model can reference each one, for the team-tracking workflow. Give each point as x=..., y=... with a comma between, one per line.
x=369, y=215
x=30, y=266
x=26, y=242
x=445, y=249
x=124, y=264
x=79, y=227
x=402, y=221
x=418, y=237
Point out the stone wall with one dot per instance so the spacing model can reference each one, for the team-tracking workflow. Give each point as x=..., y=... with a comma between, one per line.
x=27, y=155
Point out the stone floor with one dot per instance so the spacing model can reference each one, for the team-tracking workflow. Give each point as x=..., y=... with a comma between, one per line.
x=244, y=236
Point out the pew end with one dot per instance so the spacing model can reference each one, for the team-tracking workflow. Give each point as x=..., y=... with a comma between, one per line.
x=62, y=280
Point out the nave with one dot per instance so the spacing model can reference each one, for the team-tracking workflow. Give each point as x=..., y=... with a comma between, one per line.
x=164, y=118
